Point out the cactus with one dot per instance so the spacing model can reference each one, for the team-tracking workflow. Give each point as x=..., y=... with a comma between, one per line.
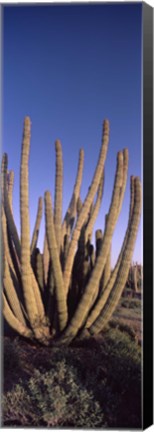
x=58, y=193
x=134, y=280
x=69, y=289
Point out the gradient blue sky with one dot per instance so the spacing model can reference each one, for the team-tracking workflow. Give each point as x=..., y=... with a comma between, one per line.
x=68, y=67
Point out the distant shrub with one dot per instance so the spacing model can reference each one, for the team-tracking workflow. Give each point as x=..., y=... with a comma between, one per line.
x=131, y=304
x=125, y=328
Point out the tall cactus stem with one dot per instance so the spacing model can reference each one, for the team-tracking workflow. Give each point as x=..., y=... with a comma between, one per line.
x=10, y=188
x=54, y=256
x=58, y=193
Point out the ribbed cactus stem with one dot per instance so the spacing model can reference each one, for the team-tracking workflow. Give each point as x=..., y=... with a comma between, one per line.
x=37, y=226
x=54, y=256
x=124, y=181
x=11, y=293
x=98, y=240
x=39, y=270
x=121, y=279
x=10, y=188
x=46, y=259
x=10, y=280
x=86, y=300
x=9, y=216
x=86, y=205
x=135, y=277
x=109, y=285
x=107, y=271
x=72, y=208
x=58, y=192
x=13, y=320
x=79, y=205
x=95, y=210
x=26, y=275
x=5, y=240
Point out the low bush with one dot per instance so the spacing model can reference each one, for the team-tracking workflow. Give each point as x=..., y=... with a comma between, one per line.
x=90, y=384
x=131, y=304
x=55, y=398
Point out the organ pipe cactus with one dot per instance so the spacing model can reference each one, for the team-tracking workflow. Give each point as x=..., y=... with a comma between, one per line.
x=69, y=288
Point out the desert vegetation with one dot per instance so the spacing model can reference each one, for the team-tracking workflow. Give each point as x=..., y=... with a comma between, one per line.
x=69, y=289
x=69, y=296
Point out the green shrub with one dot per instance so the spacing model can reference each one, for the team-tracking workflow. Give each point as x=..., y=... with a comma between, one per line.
x=17, y=409
x=112, y=371
x=54, y=398
x=125, y=328
x=131, y=304
x=91, y=384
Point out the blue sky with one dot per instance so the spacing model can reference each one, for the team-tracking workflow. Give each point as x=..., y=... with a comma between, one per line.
x=68, y=67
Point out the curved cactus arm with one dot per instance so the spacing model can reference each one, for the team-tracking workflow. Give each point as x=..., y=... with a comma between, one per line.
x=95, y=210
x=37, y=226
x=125, y=173
x=9, y=216
x=10, y=281
x=121, y=279
x=72, y=208
x=86, y=205
x=58, y=193
x=5, y=240
x=13, y=321
x=65, y=250
x=38, y=267
x=106, y=273
x=132, y=179
x=78, y=181
x=135, y=277
x=12, y=297
x=14, y=272
x=54, y=255
x=108, y=288
x=32, y=296
x=78, y=206
x=86, y=300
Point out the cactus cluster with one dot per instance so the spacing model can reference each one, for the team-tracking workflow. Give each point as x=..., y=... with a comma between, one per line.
x=135, y=277
x=69, y=289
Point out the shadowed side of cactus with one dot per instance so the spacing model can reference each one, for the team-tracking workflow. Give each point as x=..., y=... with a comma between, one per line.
x=72, y=208
x=36, y=227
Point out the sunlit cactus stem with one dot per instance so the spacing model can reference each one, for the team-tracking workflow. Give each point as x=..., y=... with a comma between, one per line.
x=58, y=193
